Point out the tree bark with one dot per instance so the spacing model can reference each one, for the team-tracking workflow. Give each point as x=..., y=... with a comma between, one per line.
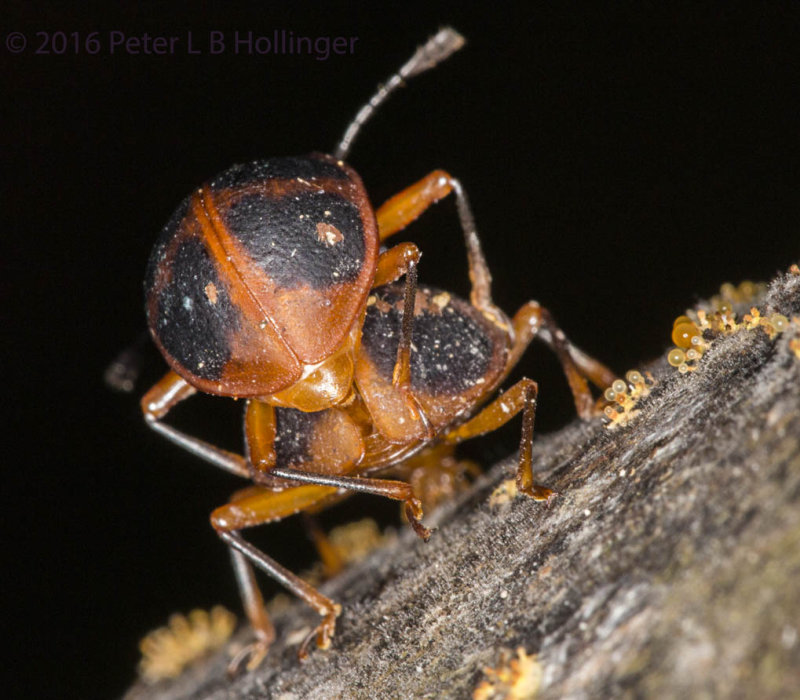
x=667, y=566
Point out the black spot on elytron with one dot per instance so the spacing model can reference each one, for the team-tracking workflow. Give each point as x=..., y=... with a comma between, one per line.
x=451, y=350
x=281, y=235
x=293, y=430
x=164, y=239
x=307, y=168
x=192, y=329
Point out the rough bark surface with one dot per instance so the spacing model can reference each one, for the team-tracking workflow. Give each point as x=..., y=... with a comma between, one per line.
x=667, y=566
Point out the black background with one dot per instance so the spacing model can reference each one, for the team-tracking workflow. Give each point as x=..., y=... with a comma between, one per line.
x=620, y=166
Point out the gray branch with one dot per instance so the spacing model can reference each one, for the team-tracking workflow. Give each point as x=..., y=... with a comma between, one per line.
x=668, y=565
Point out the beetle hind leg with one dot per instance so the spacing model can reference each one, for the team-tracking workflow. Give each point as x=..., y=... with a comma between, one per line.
x=533, y=321
x=519, y=398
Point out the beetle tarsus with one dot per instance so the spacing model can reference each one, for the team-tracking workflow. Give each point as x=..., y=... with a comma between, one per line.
x=250, y=658
x=539, y=493
x=323, y=633
x=413, y=511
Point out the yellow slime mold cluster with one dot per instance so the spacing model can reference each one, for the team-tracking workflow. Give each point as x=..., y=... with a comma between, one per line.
x=167, y=651
x=694, y=332
x=515, y=678
x=623, y=395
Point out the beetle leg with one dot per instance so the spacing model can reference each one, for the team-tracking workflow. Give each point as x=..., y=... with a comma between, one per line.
x=520, y=397
x=403, y=259
x=401, y=376
x=253, y=603
x=406, y=206
x=534, y=321
x=255, y=506
x=323, y=605
x=259, y=431
x=396, y=490
x=594, y=370
x=332, y=561
x=395, y=262
x=160, y=400
x=399, y=211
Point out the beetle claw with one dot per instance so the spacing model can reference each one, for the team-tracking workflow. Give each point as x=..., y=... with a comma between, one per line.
x=540, y=493
x=413, y=509
x=251, y=656
x=323, y=633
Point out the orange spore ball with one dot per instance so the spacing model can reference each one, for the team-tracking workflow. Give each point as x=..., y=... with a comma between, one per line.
x=634, y=377
x=779, y=322
x=681, y=319
x=676, y=357
x=683, y=333
x=748, y=289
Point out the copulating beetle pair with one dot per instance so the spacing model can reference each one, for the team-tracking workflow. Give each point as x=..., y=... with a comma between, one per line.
x=269, y=283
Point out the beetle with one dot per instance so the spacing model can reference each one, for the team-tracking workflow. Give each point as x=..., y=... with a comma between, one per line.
x=408, y=410
x=268, y=284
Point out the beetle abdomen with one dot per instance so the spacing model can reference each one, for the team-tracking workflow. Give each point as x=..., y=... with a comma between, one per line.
x=452, y=344
x=457, y=356
x=326, y=442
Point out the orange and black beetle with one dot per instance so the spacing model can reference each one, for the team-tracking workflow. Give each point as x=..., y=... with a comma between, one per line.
x=268, y=284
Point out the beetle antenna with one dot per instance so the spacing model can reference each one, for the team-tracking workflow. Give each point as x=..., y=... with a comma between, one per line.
x=437, y=49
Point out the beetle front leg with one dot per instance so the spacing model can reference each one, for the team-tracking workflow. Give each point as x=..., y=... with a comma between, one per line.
x=392, y=264
x=406, y=206
x=256, y=506
x=399, y=211
x=395, y=262
x=329, y=610
x=520, y=397
x=253, y=603
x=533, y=321
x=396, y=490
x=403, y=260
x=161, y=399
